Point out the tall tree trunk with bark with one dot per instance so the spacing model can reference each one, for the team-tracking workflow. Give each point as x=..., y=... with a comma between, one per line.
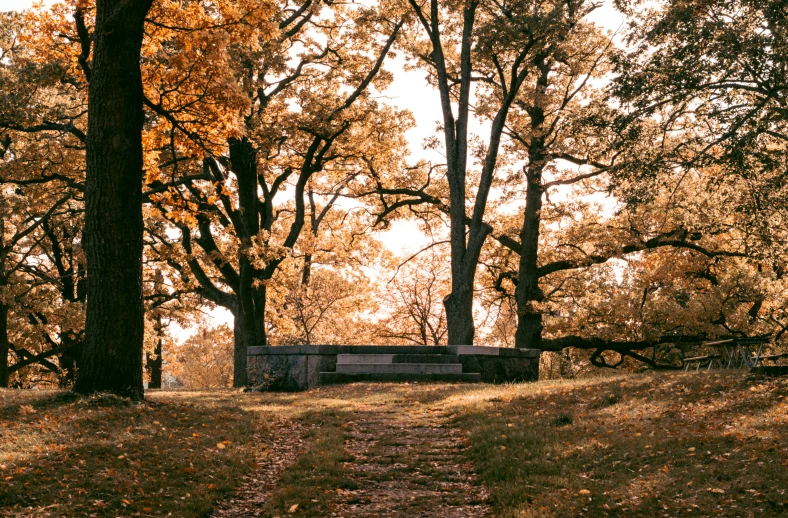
x=154, y=362
x=251, y=295
x=4, y=346
x=466, y=246
x=243, y=338
x=112, y=355
x=528, y=293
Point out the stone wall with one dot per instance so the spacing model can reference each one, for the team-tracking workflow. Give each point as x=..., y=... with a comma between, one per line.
x=499, y=365
x=297, y=367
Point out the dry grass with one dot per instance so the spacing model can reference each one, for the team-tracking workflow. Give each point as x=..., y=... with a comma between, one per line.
x=694, y=444
x=62, y=455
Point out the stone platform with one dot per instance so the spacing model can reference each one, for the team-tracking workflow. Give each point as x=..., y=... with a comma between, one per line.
x=302, y=367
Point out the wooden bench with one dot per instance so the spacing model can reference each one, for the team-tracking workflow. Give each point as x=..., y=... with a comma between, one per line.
x=701, y=359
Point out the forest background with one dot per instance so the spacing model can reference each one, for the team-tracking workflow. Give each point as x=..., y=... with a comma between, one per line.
x=622, y=174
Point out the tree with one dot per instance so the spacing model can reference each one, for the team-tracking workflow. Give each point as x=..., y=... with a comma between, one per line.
x=496, y=43
x=112, y=354
x=717, y=73
x=41, y=173
x=235, y=231
x=660, y=277
x=414, y=313
x=205, y=360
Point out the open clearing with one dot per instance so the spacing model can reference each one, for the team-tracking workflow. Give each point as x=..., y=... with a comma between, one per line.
x=678, y=444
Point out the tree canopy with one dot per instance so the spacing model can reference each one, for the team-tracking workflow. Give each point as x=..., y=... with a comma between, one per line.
x=614, y=194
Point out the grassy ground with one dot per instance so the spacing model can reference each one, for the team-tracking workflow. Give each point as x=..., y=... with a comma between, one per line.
x=695, y=444
x=104, y=456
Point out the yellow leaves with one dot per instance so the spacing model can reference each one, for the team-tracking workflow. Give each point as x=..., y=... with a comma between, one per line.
x=183, y=216
x=221, y=446
x=584, y=492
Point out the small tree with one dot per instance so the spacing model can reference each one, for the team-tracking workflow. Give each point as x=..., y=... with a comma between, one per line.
x=206, y=359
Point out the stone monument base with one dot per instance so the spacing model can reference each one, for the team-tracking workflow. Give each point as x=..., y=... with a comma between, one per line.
x=303, y=367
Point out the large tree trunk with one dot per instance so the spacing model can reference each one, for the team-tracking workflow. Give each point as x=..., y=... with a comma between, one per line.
x=244, y=337
x=4, y=346
x=154, y=362
x=459, y=314
x=112, y=355
x=249, y=326
x=527, y=293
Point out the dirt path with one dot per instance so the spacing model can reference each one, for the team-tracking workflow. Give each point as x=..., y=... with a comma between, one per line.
x=274, y=453
x=408, y=463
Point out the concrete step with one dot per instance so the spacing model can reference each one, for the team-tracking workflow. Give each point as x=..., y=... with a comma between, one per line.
x=330, y=378
x=399, y=368
x=346, y=359
x=397, y=358
x=426, y=358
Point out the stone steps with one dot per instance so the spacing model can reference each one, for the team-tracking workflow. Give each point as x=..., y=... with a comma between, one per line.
x=302, y=367
x=397, y=358
x=426, y=358
x=399, y=368
x=330, y=378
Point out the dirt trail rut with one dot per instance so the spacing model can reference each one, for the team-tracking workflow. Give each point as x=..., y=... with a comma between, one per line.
x=408, y=463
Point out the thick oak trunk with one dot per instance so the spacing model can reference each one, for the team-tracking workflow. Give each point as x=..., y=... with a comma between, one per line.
x=459, y=314
x=154, y=362
x=244, y=336
x=4, y=346
x=528, y=293
x=112, y=355
x=249, y=329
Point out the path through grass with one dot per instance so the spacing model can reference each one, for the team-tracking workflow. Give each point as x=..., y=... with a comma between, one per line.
x=689, y=444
